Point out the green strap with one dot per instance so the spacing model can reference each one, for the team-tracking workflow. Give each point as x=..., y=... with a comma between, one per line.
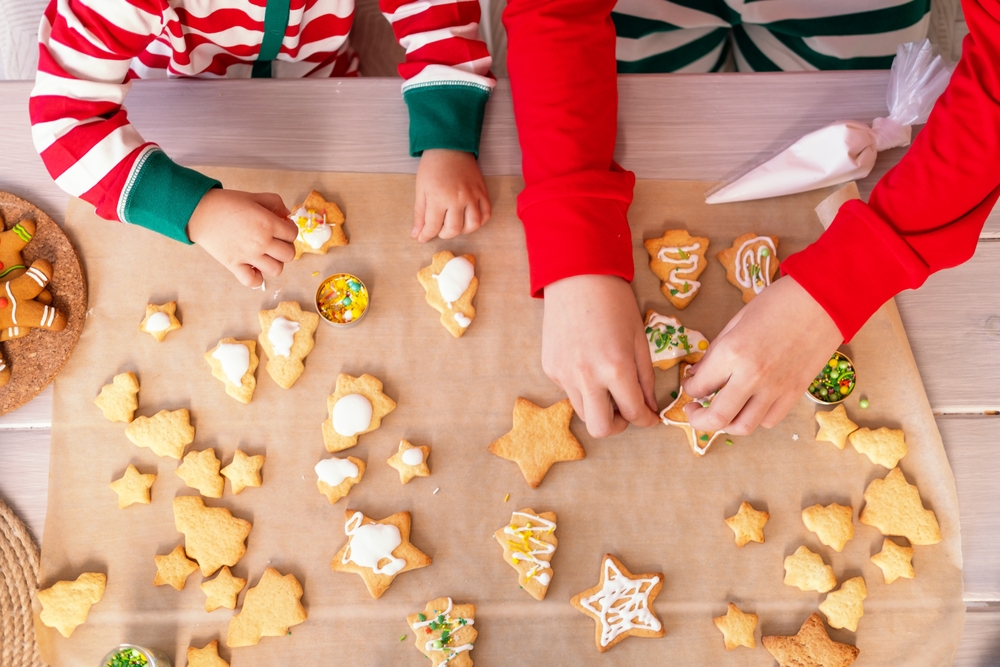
x=275, y=24
x=22, y=233
x=12, y=268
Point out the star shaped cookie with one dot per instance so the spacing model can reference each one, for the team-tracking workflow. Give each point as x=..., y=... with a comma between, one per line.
x=748, y=524
x=810, y=647
x=894, y=507
x=674, y=415
x=269, y=609
x=529, y=543
x=444, y=632
x=884, y=446
x=167, y=432
x=737, y=628
x=208, y=656
x=286, y=336
x=222, y=591
x=540, y=437
x=378, y=550
x=118, y=400
x=66, y=604
x=621, y=604
x=845, y=606
x=835, y=426
x=234, y=363
x=174, y=568
x=336, y=476
x=450, y=284
x=677, y=259
x=356, y=407
x=160, y=320
x=894, y=561
x=806, y=571
x=412, y=464
x=243, y=471
x=320, y=224
x=833, y=524
x=132, y=487
x=200, y=470
x=212, y=535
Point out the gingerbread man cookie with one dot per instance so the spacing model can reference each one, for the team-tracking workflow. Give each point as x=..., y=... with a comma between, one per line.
x=320, y=224
x=751, y=263
x=4, y=371
x=12, y=242
x=19, y=311
x=451, y=283
x=677, y=259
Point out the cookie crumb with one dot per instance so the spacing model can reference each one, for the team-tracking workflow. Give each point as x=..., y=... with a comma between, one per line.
x=437, y=489
x=506, y=498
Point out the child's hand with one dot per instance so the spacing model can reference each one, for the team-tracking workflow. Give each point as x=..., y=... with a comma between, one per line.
x=766, y=357
x=451, y=195
x=248, y=233
x=594, y=347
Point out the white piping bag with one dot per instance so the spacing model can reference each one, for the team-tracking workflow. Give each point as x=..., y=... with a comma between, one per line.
x=846, y=150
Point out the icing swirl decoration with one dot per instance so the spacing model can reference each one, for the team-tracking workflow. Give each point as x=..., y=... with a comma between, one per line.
x=622, y=604
x=753, y=263
x=681, y=285
x=448, y=627
x=524, y=546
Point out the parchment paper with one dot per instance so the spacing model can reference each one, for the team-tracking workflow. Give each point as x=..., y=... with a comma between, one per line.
x=642, y=496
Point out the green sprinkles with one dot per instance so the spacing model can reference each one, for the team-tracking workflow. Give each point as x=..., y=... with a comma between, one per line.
x=704, y=438
x=729, y=442
x=128, y=657
x=835, y=382
x=421, y=617
x=402, y=637
x=863, y=404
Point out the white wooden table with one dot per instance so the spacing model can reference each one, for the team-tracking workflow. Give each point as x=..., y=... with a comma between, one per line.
x=670, y=127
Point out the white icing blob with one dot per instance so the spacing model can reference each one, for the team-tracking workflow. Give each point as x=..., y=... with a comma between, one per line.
x=455, y=278
x=413, y=457
x=371, y=544
x=281, y=334
x=316, y=237
x=352, y=414
x=158, y=322
x=334, y=471
x=235, y=358
x=462, y=320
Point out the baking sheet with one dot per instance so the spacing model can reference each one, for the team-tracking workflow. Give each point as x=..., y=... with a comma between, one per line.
x=642, y=495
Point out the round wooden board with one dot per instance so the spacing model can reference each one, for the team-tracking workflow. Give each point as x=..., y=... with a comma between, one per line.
x=35, y=359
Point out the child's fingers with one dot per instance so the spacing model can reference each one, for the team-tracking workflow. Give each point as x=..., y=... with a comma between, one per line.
x=721, y=411
x=419, y=209
x=433, y=220
x=284, y=229
x=247, y=275
x=779, y=409
x=750, y=416
x=631, y=402
x=473, y=219
x=485, y=209
x=647, y=378
x=602, y=420
x=268, y=266
x=708, y=375
x=454, y=219
x=281, y=250
x=271, y=202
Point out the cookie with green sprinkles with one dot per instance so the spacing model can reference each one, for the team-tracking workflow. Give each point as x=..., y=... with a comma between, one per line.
x=674, y=415
x=445, y=633
x=677, y=259
x=751, y=263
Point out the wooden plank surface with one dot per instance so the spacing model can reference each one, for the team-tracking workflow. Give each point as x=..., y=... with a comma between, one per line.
x=24, y=476
x=980, y=645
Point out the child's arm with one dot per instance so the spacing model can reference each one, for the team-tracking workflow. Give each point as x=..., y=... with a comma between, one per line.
x=561, y=59
x=923, y=216
x=447, y=84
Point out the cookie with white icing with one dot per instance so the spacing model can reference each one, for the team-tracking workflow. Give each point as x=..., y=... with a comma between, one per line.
x=674, y=415
x=670, y=342
x=621, y=604
x=529, y=542
x=451, y=283
x=677, y=259
x=378, y=550
x=160, y=320
x=356, y=407
x=751, y=263
x=445, y=632
x=286, y=336
x=410, y=461
x=320, y=225
x=336, y=477
x=234, y=362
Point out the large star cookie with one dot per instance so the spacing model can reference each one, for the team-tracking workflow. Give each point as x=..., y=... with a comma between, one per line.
x=132, y=487
x=540, y=437
x=835, y=426
x=234, y=362
x=737, y=628
x=174, y=568
x=748, y=524
x=450, y=284
x=845, y=606
x=207, y=656
x=356, y=407
x=621, y=604
x=894, y=507
x=160, y=320
x=529, y=542
x=894, y=561
x=336, y=476
x=884, y=446
x=320, y=225
x=212, y=535
x=677, y=259
x=751, y=263
x=806, y=571
x=66, y=604
x=269, y=609
x=810, y=647
x=410, y=461
x=222, y=591
x=118, y=400
x=200, y=470
x=378, y=550
x=670, y=342
x=243, y=471
x=833, y=524
x=167, y=432
x=286, y=336
x=445, y=633
x=674, y=415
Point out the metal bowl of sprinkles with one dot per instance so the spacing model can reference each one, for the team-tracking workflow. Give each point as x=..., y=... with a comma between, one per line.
x=835, y=382
x=342, y=300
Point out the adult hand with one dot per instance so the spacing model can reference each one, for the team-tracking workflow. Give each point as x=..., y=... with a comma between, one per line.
x=451, y=195
x=763, y=361
x=249, y=233
x=594, y=347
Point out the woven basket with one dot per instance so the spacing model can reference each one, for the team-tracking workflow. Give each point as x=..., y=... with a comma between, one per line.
x=18, y=581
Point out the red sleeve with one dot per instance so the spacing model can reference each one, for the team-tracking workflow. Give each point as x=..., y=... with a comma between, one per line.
x=927, y=212
x=561, y=62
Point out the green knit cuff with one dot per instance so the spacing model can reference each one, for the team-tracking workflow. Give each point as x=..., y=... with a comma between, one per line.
x=446, y=115
x=161, y=195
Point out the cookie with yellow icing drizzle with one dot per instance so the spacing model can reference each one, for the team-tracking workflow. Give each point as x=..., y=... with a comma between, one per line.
x=320, y=225
x=529, y=542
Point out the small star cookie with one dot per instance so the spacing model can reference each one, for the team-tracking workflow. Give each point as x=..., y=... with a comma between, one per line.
x=806, y=571
x=132, y=487
x=378, y=550
x=621, y=604
x=160, y=320
x=269, y=609
x=174, y=568
x=670, y=342
x=810, y=647
x=529, y=542
x=410, y=461
x=540, y=437
x=207, y=656
x=674, y=415
x=356, y=407
x=212, y=535
x=320, y=223
x=894, y=507
x=66, y=604
x=243, y=471
x=894, y=561
x=845, y=606
x=751, y=263
x=835, y=426
x=200, y=470
x=748, y=524
x=833, y=524
x=222, y=591
x=450, y=284
x=286, y=336
x=234, y=362
x=677, y=259
x=118, y=400
x=167, y=432
x=338, y=476
x=884, y=446
x=737, y=628
x=445, y=633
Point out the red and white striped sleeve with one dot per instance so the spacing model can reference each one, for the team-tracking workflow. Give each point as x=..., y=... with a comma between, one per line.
x=81, y=130
x=446, y=72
